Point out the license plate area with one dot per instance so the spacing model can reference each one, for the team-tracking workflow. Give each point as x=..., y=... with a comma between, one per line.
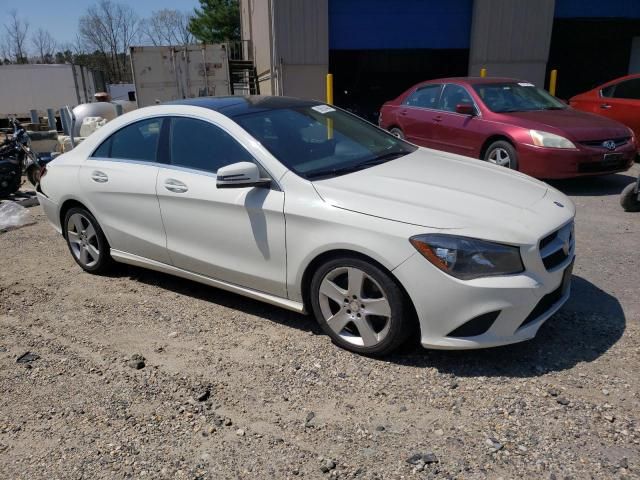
x=612, y=158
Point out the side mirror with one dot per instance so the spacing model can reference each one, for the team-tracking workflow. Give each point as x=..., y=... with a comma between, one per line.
x=465, y=109
x=240, y=175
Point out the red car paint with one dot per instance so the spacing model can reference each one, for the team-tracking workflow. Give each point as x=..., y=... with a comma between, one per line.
x=471, y=135
x=618, y=99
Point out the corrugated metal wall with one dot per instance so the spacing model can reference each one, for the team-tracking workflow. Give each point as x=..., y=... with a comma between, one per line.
x=511, y=38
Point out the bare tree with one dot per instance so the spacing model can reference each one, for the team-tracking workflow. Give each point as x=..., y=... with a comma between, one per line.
x=167, y=27
x=45, y=45
x=16, y=37
x=108, y=28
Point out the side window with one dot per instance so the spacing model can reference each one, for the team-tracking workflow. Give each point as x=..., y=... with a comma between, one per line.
x=608, y=91
x=426, y=97
x=138, y=141
x=202, y=146
x=628, y=89
x=452, y=96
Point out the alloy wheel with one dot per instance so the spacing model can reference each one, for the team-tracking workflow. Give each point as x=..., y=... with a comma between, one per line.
x=499, y=156
x=83, y=240
x=355, y=306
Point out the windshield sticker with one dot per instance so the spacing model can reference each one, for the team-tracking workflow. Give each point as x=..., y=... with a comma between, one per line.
x=526, y=84
x=323, y=109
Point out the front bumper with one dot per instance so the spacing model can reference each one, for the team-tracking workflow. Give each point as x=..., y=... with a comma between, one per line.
x=523, y=302
x=556, y=163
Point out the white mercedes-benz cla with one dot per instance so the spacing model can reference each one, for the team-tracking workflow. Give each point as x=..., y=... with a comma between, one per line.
x=310, y=208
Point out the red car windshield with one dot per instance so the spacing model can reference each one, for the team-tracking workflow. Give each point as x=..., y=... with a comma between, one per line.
x=516, y=97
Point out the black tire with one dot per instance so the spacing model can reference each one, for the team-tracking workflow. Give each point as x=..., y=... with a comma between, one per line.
x=397, y=132
x=504, y=146
x=629, y=198
x=400, y=324
x=12, y=186
x=104, y=261
x=33, y=174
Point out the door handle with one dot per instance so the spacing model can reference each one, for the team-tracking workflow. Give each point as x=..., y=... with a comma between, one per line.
x=403, y=113
x=437, y=118
x=605, y=106
x=175, y=186
x=99, y=177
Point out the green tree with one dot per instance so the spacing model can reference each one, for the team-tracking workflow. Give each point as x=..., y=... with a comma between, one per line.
x=216, y=21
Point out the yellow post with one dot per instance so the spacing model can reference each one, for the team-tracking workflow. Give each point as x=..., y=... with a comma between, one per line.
x=553, y=80
x=330, y=102
x=483, y=72
x=330, y=88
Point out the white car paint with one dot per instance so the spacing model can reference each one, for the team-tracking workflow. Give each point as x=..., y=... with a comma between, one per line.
x=259, y=242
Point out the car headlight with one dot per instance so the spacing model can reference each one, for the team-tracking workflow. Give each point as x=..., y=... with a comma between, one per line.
x=466, y=258
x=549, y=140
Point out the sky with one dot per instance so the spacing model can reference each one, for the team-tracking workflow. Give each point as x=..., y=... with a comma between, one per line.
x=60, y=17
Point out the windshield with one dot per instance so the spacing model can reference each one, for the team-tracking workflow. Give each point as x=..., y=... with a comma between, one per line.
x=516, y=97
x=322, y=141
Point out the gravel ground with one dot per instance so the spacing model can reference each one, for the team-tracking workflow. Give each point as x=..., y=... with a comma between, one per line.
x=141, y=375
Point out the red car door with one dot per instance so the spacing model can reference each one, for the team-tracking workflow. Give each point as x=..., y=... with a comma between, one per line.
x=621, y=102
x=415, y=115
x=455, y=132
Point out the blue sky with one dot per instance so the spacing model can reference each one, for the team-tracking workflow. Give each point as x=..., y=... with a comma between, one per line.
x=61, y=17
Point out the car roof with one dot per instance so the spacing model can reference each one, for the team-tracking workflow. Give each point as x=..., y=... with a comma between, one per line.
x=473, y=80
x=235, y=106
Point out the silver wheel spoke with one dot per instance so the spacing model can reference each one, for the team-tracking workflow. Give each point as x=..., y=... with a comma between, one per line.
x=84, y=255
x=369, y=337
x=77, y=223
x=93, y=252
x=355, y=279
x=90, y=232
x=331, y=290
x=73, y=237
x=377, y=306
x=338, y=321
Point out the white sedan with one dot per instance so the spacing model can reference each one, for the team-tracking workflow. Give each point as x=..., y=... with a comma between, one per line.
x=307, y=207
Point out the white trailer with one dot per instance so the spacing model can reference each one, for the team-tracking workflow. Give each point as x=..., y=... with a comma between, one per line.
x=162, y=74
x=39, y=87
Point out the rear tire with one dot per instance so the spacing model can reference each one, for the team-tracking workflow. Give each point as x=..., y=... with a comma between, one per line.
x=503, y=154
x=86, y=241
x=629, y=198
x=33, y=174
x=397, y=132
x=360, y=306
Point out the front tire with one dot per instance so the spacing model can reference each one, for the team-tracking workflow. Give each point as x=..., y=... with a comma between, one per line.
x=86, y=241
x=359, y=306
x=396, y=132
x=503, y=154
x=629, y=199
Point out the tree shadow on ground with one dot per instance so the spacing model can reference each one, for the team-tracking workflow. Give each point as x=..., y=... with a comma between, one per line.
x=589, y=324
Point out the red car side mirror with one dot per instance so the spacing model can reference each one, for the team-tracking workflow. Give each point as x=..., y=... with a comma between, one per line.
x=465, y=109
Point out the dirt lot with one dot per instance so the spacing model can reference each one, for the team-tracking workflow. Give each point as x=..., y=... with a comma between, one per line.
x=236, y=389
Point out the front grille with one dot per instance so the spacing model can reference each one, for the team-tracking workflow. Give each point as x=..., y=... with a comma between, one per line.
x=618, y=163
x=556, y=247
x=598, y=143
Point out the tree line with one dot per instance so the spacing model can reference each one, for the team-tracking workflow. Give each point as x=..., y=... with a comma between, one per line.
x=108, y=28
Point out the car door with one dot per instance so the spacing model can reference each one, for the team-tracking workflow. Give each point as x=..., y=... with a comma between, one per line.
x=455, y=132
x=236, y=235
x=621, y=102
x=417, y=112
x=118, y=184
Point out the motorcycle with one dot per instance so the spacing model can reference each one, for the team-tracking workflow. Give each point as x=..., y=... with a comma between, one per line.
x=17, y=159
x=630, y=197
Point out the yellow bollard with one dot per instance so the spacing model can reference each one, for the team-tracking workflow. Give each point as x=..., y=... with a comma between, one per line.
x=483, y=72
x=330, y=88
x=330, y=102
x=553, y=80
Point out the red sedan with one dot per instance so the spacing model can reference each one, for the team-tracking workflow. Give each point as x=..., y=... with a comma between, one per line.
x=619, y=100
x=510, y=123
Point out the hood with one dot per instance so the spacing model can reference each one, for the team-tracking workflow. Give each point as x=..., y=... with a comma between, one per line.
x=575, y=125
x=444, y=191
